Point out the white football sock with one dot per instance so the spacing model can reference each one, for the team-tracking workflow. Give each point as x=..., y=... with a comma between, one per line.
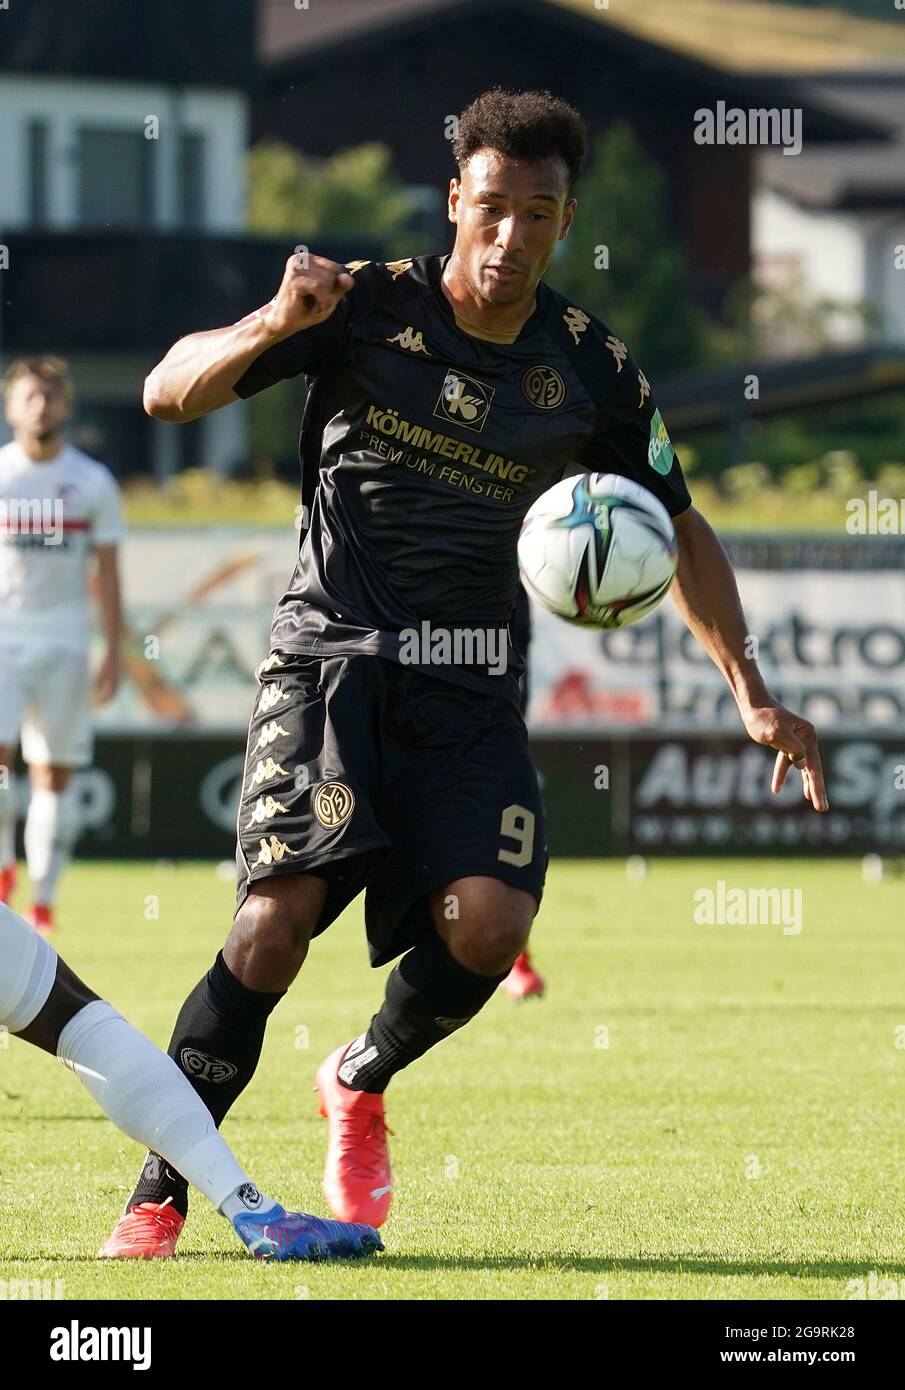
x=51, y=829
x=7, y=822
x=28, y=968
x=245, y=1199
x=147, y=1096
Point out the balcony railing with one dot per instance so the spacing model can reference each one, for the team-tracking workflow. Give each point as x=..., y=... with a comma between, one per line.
x=95, y=292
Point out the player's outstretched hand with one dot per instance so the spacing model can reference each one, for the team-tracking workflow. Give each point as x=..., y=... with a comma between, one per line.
x=311, y=289
x=795, y=740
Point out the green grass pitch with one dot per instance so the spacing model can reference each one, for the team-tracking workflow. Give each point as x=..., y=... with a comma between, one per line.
x=692, y=1112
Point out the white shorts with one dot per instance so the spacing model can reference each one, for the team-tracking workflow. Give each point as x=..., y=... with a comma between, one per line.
x=46, y=694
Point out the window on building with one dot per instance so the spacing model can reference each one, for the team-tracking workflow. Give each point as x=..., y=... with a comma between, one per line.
x=191, y=180
x=115, y=178
x=428, y=213
x=116, y=432
x=37, y=172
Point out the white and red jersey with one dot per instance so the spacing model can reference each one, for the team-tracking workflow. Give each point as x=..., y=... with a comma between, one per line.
x=52, y=515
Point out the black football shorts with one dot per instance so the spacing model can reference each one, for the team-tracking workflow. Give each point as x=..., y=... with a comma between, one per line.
x=371, y=774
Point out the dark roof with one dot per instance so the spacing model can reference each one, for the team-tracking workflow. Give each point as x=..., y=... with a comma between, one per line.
x=836, y=176
x=285, y=32
x=293, y=42
x=180, y=42
x=694, y=400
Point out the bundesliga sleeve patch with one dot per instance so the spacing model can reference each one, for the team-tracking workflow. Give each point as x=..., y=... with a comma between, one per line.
x=659, y=451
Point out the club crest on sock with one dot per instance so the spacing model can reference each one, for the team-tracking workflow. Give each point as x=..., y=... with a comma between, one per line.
x=205, y=1068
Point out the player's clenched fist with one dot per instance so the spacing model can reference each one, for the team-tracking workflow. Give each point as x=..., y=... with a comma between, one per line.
x=311, y=289
x=199, y=371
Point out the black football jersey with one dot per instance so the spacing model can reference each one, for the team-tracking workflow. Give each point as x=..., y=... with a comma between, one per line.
x=423, y=445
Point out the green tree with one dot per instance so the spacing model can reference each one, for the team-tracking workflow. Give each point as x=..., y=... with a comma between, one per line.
x=353, y=189
x=306, y=199
x=622, y=260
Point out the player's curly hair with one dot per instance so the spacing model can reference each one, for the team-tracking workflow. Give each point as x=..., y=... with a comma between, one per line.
x=522, y=125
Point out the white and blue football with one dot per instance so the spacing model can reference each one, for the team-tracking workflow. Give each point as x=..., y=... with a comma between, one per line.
x=597, y=549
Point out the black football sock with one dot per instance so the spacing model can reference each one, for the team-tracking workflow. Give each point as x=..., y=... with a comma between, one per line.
x=216, y=1042
x=429, y=995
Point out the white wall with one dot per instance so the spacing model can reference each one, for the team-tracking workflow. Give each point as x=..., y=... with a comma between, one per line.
x=842, y=255
x=220, y=116
x=828, y=245
x=886, y=282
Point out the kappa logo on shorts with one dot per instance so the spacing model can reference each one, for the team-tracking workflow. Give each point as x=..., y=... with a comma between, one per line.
x=266, y=807
x=271, y=695
x=273, y=853
x=269, y=734
x=268, y=664
x=334, y=802
x=266, y=769
x=205, y=1068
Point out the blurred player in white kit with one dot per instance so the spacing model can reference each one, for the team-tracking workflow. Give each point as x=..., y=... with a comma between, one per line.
x=60, y=513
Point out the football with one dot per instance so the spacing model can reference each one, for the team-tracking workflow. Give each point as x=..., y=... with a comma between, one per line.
x=597, y=549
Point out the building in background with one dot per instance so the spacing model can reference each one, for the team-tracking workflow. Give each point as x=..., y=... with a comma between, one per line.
x=832, y=221
x=122, y=168
x=421, y=61
x=122, y=191
x=122, y=207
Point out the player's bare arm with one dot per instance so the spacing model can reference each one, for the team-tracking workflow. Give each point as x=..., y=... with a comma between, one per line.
x=198, y=373
x=706, y=595
x=110, y=603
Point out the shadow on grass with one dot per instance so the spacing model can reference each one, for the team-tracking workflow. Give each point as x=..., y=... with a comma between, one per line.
x=550, y=1263
x=567, y=1264
x=31, y=1119
x=184, y=1257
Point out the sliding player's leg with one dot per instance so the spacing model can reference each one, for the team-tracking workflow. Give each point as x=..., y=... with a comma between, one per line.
x=219, y=1033
x=147, y=1097
x=306, y=839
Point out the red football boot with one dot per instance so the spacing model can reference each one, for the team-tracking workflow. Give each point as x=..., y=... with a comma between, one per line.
x=148, y=1231
x=523, y=980
x=8, y=878
x=358, y=1183
x=41, y=918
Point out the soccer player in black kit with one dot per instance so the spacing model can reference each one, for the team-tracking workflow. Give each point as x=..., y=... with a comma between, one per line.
x=387, y=750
